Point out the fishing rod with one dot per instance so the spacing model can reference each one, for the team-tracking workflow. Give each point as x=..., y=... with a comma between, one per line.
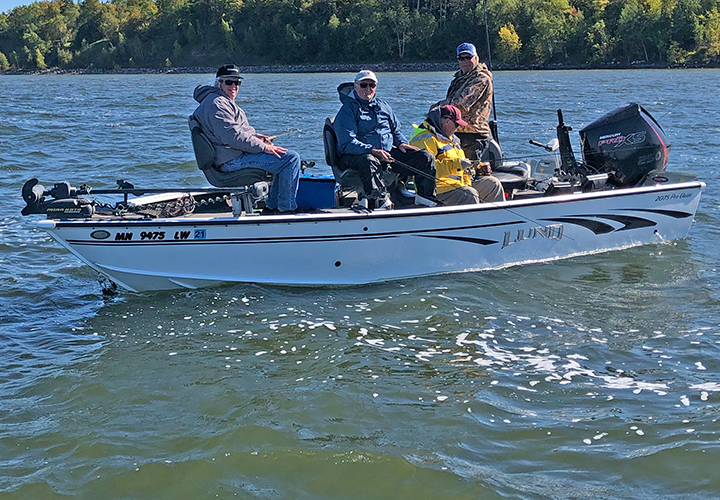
x=668, y=111
x=493, y=123
x=428, y=176
x=294, y=131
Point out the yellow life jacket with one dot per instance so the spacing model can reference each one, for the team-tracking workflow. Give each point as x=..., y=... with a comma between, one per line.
x=448, y=155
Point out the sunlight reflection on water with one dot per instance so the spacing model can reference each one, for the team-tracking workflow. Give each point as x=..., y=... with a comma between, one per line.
x=594, y=376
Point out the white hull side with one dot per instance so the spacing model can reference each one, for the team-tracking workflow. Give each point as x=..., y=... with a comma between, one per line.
x=356, y=248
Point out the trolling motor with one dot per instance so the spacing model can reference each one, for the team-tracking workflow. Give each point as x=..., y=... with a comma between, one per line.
x=567, y=157
x=570, y=175
x=68, y=202
x=65, y=205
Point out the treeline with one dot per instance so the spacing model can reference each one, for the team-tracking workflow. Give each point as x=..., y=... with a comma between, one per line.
x=172, y=33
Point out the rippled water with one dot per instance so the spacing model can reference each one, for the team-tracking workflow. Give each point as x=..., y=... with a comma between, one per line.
x=594, y=377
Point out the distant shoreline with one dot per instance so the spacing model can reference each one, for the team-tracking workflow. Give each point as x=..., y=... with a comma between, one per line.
x=343, y=68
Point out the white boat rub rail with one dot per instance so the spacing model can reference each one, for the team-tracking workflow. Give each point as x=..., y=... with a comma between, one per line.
x=350, y=214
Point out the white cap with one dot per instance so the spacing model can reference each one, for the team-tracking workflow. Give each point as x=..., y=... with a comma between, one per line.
x=366, y=74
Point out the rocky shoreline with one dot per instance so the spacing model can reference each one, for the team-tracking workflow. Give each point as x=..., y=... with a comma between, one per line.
x=342, y=68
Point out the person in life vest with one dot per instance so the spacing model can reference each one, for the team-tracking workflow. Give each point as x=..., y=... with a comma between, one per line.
x=458, y=180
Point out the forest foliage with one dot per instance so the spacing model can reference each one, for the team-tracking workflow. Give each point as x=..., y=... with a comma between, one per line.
x=523, y=33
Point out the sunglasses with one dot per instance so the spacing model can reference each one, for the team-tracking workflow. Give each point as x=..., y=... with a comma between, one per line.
x=366, y=85
x=464, y=58
x=231, y=83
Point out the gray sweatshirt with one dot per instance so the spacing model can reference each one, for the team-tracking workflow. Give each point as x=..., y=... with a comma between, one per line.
x=225, y=124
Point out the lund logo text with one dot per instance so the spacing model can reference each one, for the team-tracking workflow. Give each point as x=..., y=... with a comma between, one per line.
x=553, y=231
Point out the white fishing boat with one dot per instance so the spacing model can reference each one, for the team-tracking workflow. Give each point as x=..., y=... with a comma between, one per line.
x=618, y=196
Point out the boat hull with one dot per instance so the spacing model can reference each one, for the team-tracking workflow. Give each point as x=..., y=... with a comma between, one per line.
x=349, y=248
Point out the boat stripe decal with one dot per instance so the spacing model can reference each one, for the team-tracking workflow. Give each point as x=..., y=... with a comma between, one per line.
x=479, y=241
x=290, y=239
x=234, y=241
x=670, y=213
x=628, y=221
x=595, y=226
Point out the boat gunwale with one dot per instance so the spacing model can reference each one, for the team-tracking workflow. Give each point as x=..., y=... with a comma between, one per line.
x=351, y=215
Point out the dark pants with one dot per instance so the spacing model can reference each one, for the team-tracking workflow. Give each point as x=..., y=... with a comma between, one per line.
x=370, y=170
x=472, y=144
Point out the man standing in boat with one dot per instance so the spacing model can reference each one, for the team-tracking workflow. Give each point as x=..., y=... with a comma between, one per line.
x=238, y=145
x=471, y=90
x=369, y=135
x=457, y=181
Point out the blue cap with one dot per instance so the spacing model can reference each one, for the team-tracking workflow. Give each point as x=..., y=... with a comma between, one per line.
x=466, y=48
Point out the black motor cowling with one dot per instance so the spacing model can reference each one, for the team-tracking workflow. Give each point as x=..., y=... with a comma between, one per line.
x=626, y=143
x=66, y=204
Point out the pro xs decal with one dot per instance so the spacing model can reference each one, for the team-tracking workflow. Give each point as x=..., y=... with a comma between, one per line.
x=617, y=139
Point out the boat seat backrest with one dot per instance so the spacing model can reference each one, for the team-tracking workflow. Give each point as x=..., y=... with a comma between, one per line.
x=492, y=153
x=347, y=178
x=330, y=142
x=203, y=148
x=205, y=157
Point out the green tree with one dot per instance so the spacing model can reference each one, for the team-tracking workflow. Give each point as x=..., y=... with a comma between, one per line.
x=708, y=34
x=113, y=33
x=398, y=19
x=676, y=54
x=599, y=41
x=637, y=27
x=64, y=57
x=97, y=21
x=4, y=64
x=15, y=60
x=553, y=23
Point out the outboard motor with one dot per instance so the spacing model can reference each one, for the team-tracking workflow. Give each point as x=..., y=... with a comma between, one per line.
x=626, y=143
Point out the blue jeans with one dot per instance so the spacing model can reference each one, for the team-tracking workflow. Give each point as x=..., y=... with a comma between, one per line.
x=286, y=175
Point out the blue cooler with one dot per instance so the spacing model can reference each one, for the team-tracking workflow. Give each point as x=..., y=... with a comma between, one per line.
x=316, y=191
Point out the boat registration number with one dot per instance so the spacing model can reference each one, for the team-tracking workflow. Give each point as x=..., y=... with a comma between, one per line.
x=195, y=234
x=152, y=235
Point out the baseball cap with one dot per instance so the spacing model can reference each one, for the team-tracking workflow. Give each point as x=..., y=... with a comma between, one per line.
x=466, y=48
x=228, y=70
x=366, y=74
x=452, y=112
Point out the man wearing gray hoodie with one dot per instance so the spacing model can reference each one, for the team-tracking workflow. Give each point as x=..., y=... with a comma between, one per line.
x=238, y=145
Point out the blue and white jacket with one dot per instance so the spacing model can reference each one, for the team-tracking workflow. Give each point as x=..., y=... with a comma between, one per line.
x=362, y=126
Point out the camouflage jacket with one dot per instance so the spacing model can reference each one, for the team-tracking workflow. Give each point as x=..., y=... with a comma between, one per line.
x=472, y=93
